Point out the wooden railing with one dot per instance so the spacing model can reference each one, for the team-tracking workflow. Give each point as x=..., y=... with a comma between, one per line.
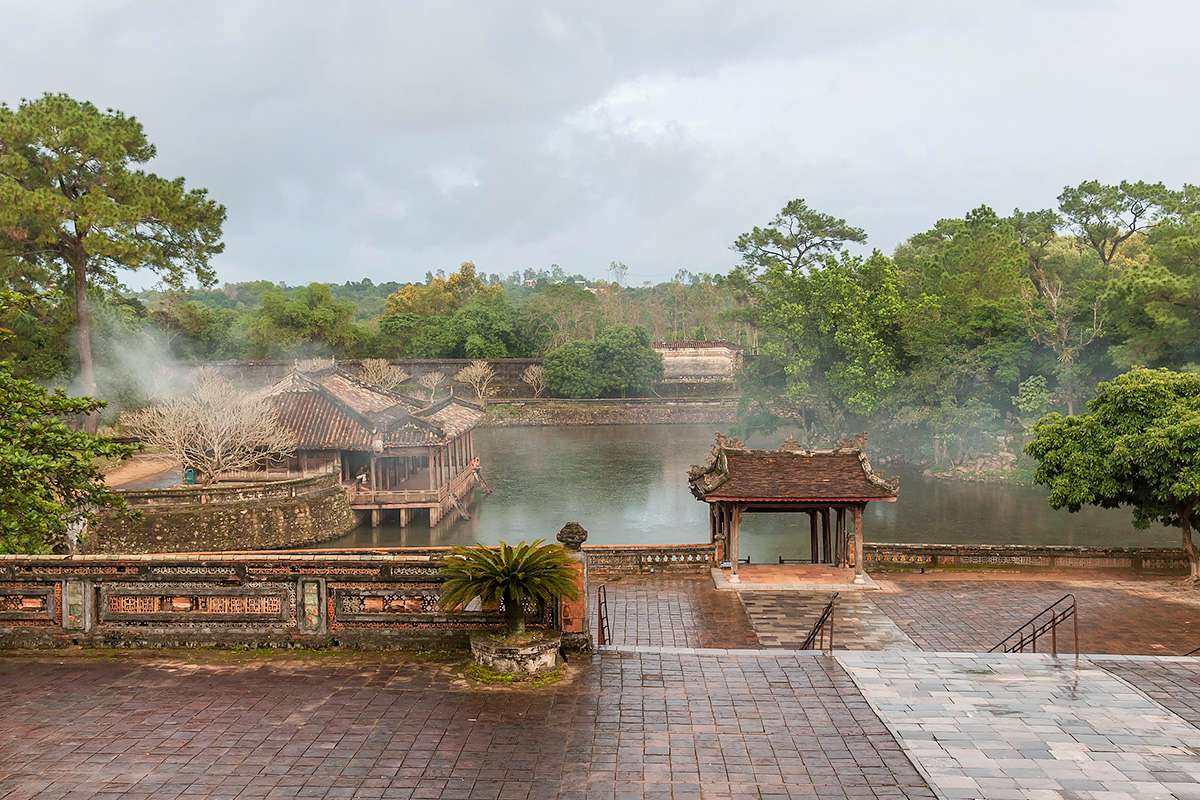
x=458, y=484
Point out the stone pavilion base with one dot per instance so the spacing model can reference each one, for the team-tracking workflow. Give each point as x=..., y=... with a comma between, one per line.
x=530, y=657
x=798, y=577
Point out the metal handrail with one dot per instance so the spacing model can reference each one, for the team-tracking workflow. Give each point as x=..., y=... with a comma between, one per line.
x=603, y=633
x=1044, y=622
x=818, y=630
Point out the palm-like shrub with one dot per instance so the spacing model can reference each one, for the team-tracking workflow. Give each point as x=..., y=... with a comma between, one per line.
x=529, y=571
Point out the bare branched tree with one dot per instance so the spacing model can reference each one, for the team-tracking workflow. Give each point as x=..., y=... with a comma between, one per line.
x=215, y=429
x=380, y=372
x=535, y=377
x=479, y=376
x=431, y=381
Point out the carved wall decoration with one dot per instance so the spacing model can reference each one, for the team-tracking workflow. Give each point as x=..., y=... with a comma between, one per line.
x=30, y=603
x=192, y=603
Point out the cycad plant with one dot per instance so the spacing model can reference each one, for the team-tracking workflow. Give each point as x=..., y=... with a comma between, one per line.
x=528, y=571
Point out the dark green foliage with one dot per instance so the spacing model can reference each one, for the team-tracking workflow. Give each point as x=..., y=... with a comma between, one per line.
x=1137, y=446
x=529, y=572
x=618, y=363
x=49, y=478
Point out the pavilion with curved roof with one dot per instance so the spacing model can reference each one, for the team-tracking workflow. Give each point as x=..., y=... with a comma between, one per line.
x=392, y=451
x=831, y=486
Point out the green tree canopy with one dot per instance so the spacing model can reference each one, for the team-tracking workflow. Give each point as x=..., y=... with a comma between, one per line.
x=310, y=321
x=1137, y=446
x=50, y=483
x=73, y=197
x=796, y=239
x=618, y=362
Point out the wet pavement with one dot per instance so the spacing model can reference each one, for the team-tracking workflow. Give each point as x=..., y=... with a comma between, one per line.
x=624, y=726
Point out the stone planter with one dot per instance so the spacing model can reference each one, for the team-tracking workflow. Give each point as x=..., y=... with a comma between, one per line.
x=531, y=657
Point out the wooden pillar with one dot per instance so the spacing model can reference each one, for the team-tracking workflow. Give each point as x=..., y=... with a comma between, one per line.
x=734, y=523
x=432, y=477
x=405, y=516
x=815, y=545
x=860, y=571
x=712, y=523
x=374, y=479
x=839, y=538
x=826, y=537
x=376, y=517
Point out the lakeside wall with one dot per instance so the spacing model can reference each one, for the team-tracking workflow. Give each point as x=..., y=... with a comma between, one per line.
x=262, y=515
x=617, y=560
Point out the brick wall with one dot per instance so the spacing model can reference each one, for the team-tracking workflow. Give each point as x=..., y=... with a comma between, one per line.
x=1150, y=559
x=234, y=599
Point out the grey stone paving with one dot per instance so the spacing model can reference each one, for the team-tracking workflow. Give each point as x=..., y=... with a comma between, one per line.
x=994, y=726
x=783, y=619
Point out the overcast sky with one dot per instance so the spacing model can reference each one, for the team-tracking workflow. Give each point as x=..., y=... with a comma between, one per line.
x=384, y=140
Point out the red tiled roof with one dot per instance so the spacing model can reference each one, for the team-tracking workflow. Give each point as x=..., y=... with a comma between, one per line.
x=332, y=410
x=789, y=474
x=319, y=423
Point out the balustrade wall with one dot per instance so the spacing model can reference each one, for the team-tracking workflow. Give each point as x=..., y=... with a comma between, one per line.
x=249, y=599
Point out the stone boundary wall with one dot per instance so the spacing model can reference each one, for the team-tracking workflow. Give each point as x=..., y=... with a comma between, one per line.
x=1148, y=559
x=610, y=560
x=304, y=486
x=256, y=374
x=633, y=559
x=265, y=515
x=233, y=599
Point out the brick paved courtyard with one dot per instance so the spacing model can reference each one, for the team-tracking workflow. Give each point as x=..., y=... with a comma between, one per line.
x=675, y=611
x=625, y=726
x=944, y=613
x=622, y=725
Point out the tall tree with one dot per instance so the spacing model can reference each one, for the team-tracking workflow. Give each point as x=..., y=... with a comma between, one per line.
x=72, y=192
x=1155, y=307
x=797, y=238
x=1138, y=446
x=1103, y=217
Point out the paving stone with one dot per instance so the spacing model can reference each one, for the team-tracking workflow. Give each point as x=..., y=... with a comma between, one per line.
x=784, y=619
x=970, y=615
x=675, y=611
x=672, y=725
x=1070, y=730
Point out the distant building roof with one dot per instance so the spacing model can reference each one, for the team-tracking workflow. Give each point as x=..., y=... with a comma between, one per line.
x=789, y=474
x=330, y=409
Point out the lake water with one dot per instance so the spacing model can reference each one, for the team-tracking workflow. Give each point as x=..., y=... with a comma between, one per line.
x=628, y=484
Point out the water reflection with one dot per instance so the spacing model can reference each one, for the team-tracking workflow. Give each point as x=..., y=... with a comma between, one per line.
x=628, y=484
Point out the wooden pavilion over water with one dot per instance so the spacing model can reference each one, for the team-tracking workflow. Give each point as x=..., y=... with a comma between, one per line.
x=393, y=452
x=829, y=486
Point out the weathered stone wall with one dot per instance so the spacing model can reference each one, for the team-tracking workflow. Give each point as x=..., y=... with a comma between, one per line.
x=713, y=376
x=655, y=411
x=270, y=515
x=1149, y=559
x=632, y=559
x=243, y=599
x=607, y=560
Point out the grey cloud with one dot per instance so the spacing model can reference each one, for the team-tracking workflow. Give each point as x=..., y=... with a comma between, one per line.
x=385, y=139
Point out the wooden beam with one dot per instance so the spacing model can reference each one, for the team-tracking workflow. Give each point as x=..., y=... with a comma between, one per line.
x=860, y=571
x=815, y=542
x=735, y=523
x=826, y=537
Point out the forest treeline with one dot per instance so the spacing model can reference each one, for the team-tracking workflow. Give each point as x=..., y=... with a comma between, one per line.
x=962, y=336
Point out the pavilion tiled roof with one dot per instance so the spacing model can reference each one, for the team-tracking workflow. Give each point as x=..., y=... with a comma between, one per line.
x=332, y=410
x=788, y=474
